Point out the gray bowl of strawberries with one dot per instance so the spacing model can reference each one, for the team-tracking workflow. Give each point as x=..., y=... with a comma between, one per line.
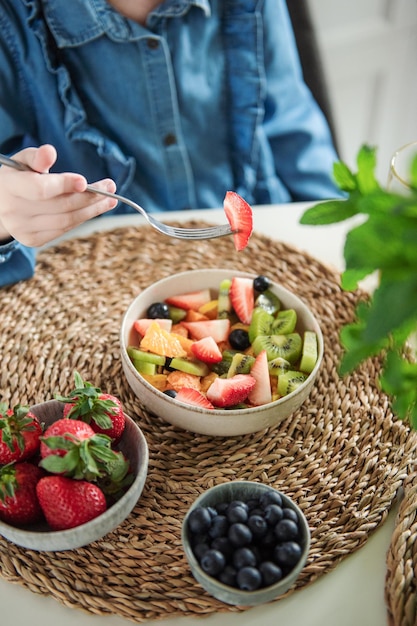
x=179, y=358
x=75, y=483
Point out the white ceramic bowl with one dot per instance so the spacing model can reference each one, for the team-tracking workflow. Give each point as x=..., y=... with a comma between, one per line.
x=218, y=422
x=135, y=448
x=244, y=491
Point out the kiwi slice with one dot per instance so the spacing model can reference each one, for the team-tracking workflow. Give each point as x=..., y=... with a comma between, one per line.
x=309, y=352
x=290, y=381
x=198, y=368
x=148, y=357
x=269, y=301
x=222, y=367
x=286, y=346
x=176, y=314
x=224, y=305
x=278, y=366
x=261, y=323
x=240, y=364
x=144, y=367
x=285, y=322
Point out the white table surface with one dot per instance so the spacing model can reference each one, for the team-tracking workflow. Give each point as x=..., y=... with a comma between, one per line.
x=352, y=593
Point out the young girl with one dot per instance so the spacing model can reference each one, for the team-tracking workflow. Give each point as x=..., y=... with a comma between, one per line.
x=174, y=102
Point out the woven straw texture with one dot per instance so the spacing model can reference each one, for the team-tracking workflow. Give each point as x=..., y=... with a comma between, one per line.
x=342, y=456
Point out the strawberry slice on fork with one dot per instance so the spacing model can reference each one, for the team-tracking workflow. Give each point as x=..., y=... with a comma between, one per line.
x=239, y=215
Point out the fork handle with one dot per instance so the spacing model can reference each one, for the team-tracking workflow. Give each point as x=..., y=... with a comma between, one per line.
x=17, y=165
x=22, y=167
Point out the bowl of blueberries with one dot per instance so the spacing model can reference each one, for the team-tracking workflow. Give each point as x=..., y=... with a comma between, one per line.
x=246, y=542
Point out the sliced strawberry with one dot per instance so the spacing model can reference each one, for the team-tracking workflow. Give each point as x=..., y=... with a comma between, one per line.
x=206, y=350
x=142, y=325
x=261, y=393
x=218, y=329
x=194, y=397
x=242, y=298
x=190, y=300
x=239, y=215
x=226, y=392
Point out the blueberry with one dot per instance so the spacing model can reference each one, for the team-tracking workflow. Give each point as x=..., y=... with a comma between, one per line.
x=244, y=557
x=271, y=573
x=290, y=514
x=286, y=530
x=170, y=392
x=273, y=514
x=222, y=507
x=239, y=535
x=223, y=545
x=257, y=524
x=200, y=549
x=239, y=339
x=270, y=497
x=228, y=576
x=261, y=283
x=287, y=554
x=268, y=540
x=199, y=520
x=249, y=579
x=213, y=562
x=219, y=526
x=239, y=503
x=158, y=310
x=237, y=513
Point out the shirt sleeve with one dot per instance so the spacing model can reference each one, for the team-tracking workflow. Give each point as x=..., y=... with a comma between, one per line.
x=17, y=262
x=296, y=128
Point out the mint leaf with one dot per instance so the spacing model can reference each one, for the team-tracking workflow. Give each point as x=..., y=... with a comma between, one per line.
x=366, y=160
x=328, y=212
x=343, y=176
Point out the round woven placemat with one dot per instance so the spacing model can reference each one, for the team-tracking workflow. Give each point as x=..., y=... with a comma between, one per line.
x=342, y=456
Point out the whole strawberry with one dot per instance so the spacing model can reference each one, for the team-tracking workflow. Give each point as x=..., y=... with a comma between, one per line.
x=71, y=447
x=20, y=431
x=68, y=503
x=103, y=411
x=19, y=503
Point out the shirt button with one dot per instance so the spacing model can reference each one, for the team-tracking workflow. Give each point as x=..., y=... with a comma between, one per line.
x=170, y=139
x=153, y=44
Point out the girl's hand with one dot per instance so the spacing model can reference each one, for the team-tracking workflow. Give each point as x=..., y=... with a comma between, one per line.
x=35, y=209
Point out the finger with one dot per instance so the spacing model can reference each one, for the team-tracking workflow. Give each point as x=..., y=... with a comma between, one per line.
x=38, y=159
x=45, y=228
x=43, y=158
x=64, y=193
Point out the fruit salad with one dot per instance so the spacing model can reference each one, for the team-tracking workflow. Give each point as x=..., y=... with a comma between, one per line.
x=236, y=348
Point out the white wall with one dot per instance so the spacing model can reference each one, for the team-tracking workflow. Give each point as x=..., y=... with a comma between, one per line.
x=369, y=50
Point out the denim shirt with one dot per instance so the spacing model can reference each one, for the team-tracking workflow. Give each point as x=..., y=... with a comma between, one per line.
x=207, y=97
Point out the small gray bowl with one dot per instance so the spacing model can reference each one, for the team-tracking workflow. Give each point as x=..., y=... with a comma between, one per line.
x=133, y=445
x=243, y=490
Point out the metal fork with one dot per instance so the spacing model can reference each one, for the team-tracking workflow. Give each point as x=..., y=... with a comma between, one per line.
x=210, y=232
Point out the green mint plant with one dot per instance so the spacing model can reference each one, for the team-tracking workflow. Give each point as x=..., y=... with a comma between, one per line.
x=383, y=241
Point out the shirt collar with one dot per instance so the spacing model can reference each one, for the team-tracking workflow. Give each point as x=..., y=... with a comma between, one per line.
x=79, y=21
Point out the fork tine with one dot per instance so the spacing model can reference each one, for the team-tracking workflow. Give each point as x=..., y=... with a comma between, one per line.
x=202, y=233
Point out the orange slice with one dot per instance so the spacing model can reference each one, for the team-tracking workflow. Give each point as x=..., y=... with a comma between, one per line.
x=185, y=343
x=176, y=380
x=195, y=316
x=160, y=341
x=209, y=309
x=159, y=381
